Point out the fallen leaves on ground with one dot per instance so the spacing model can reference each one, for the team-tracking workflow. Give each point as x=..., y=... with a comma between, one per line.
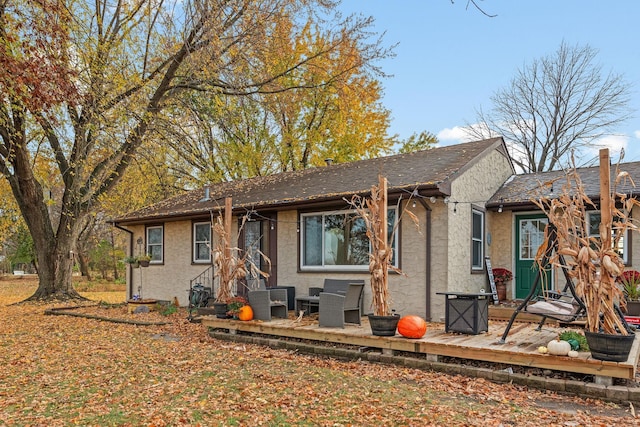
x=62, y=370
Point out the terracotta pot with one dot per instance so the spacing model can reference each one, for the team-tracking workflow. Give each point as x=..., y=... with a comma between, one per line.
x=501, y=289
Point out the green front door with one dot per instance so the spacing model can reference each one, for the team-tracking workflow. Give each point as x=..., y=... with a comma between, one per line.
x=529, y=237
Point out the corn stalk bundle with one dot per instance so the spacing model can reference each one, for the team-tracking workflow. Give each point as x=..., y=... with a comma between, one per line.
x=229, y=264
x=592, y=264
x=371, y=211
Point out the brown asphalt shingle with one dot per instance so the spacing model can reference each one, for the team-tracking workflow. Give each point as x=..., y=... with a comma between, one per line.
x=427, y=170
x=519, y=190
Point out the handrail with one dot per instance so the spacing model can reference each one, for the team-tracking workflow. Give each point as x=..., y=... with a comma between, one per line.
x=206, y=279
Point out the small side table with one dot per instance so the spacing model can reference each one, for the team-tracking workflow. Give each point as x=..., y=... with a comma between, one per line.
x=466, y=313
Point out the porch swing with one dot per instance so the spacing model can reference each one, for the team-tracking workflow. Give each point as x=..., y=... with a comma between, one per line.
x=564, y=306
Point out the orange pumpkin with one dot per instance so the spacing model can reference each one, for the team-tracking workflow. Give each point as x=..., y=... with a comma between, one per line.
x=245, y=313
x=412, y=326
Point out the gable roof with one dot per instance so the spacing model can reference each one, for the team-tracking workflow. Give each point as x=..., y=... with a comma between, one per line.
x=430, y=171
x=519, y=190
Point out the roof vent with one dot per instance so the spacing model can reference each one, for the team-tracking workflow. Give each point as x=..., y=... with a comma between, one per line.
x=206, y=197
x=329, y=161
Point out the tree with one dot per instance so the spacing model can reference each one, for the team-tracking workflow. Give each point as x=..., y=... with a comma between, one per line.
x=222, y=139
x=416, y=142
x=84, y=84
x=558, y=104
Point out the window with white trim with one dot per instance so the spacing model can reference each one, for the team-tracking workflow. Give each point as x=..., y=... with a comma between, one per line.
x=155, y=243
x=202, y=242
x=593, y=224
x=338, y=240
x=477, y=239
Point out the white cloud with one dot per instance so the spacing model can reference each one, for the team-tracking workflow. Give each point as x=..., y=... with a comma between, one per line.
x=637, y=134
x=455, y=135
x=615, y=144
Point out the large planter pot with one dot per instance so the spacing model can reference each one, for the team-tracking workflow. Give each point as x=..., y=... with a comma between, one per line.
x=633, y=308
x=144, y=263
x=609, y=347
x=383, y=326
x=220, y=310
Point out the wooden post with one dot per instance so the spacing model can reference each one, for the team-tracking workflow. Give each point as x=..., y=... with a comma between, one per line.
x=382, y=185
x=605, y=199
x=382, y=189
x=228, y=207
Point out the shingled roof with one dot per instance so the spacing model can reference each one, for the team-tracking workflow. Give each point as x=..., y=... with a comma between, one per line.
x=519, y=190
x=428, y=170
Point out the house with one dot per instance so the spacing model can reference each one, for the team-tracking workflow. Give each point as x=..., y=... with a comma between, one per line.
x=517, y=225
x=302, y=222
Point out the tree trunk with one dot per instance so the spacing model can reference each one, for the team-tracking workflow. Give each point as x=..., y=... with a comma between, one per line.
x=83, y=260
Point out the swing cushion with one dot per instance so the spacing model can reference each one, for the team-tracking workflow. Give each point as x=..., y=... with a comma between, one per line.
x=555, y=308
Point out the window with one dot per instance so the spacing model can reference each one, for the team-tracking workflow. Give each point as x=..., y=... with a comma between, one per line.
x=338, y=240
x=477, y=239
x=155, y=243
x=593, y=224
x=202, y=242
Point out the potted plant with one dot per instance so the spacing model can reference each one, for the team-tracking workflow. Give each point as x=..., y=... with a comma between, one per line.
x=630, y=282
x=373, y=211
x=131, y=260
x=592, y=260
x=234, y=305
x=501, y=276
x=229, y=266
x=144, y=260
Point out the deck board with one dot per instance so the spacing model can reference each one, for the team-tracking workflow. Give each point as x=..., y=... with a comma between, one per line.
x=520, y=347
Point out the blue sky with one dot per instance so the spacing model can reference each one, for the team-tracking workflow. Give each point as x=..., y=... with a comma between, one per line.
x=451, y=59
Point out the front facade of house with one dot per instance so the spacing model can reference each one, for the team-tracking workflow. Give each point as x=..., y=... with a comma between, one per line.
x=302, y=222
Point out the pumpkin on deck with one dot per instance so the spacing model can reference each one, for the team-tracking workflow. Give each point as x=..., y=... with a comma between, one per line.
x=245, y=313
x=412, y=326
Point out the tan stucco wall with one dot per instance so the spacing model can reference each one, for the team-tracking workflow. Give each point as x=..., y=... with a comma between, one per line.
x=407, y=292
x=172, y=278
x=471, y=189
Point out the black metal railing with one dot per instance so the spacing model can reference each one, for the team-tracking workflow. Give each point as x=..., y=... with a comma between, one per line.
x=201, y=290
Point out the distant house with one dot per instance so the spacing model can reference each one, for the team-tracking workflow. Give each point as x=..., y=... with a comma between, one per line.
x=302, y=222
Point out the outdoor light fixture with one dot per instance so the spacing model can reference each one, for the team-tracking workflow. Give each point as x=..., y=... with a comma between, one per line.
x=455, y=207
x=414, y=203
x=500, y=208
x=433, y=199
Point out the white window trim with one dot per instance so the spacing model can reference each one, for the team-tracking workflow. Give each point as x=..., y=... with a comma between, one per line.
x=161, y=244
x=196, y=260
x=475, y=211
x=358, y=268
x=625, y=240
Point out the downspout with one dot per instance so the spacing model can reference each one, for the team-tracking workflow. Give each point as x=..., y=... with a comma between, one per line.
x=427, y=284
x=126, y=230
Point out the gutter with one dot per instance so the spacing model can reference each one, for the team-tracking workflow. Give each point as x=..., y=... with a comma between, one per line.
x=427, y=284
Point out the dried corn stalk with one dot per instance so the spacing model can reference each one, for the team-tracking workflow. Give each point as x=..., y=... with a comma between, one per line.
x=229, y=265
x=373, y=211
x=593, y=263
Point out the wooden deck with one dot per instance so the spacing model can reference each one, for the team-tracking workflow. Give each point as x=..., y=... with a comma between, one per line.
x=520, y=348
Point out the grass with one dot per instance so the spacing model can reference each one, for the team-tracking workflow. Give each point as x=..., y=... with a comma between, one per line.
x=63, y=370
x=14, y=289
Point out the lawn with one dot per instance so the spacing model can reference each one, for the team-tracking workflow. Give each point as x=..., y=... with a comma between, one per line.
x=62, y=370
